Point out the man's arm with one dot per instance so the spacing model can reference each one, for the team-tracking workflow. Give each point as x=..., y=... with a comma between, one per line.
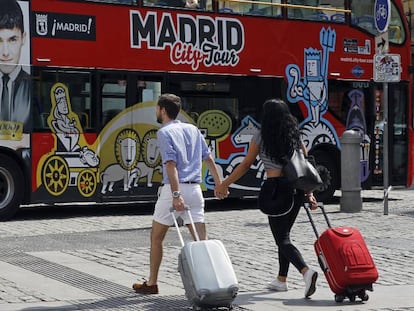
x=213, y=169
x=172, y=173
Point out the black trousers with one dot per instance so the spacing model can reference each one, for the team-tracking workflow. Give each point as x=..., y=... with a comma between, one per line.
x=281, y=227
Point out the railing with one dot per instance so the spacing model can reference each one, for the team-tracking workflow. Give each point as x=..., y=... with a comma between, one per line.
x=293, y=6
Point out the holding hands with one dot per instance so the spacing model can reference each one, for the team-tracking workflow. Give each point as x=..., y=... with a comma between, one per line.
x=221, y=191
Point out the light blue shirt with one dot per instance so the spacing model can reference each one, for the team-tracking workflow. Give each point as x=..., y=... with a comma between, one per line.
x=185, y=145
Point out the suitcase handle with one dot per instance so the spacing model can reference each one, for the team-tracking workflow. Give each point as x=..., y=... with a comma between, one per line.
x=320, y=205
x=187, y=209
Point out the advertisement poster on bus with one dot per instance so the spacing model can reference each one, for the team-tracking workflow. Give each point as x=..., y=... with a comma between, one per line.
x=15, y=82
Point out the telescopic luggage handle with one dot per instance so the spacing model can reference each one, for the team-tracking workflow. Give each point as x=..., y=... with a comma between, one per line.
x=187, y=209
x=320, y=205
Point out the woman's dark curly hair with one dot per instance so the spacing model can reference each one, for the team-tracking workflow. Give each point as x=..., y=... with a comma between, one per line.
x=279, y=130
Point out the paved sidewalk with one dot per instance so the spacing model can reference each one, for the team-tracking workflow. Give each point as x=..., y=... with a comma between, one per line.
x=100, y=279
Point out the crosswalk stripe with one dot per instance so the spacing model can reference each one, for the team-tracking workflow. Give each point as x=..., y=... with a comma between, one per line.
x=86, y=266
x=111, y=274
x=35, y=282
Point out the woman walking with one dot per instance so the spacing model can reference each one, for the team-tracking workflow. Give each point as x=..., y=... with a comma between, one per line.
x=278, y=137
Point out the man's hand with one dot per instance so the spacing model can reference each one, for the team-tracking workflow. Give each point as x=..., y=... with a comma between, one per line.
x=178, y=203
x=221, y=191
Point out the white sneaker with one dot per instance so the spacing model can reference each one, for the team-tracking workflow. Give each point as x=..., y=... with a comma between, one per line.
x=278, y=286
x=310, y=278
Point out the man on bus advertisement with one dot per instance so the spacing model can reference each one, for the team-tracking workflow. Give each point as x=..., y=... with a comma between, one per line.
x=15, y=80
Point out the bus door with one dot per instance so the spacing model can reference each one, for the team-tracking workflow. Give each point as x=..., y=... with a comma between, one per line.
x=397, y=134
x=130, y=160
x=350, y=107
x=64, y=161
x=211, y=104
x=227, y=112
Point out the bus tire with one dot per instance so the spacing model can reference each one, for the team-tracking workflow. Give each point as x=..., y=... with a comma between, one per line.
x=329, y=175
x=11, y=187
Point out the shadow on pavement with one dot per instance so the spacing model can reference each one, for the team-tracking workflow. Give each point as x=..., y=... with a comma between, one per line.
x=253, y=298
x=133, y=302
x=62, y=211
x=79, y=210
x=116, y=209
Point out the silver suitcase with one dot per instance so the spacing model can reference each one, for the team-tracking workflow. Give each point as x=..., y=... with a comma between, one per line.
x=207, y=272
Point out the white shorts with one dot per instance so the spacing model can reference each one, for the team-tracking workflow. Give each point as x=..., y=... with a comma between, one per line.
x=193, y=197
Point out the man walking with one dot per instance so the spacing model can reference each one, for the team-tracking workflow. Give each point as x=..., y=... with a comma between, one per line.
x=183, y=149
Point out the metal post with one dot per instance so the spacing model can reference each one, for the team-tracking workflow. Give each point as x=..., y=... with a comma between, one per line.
x=351, y=200
x=385, y=148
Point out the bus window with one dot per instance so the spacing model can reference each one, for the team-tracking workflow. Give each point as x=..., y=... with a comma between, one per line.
x=362, y=17
x=148, y=90
x=78, y=85
x=332, y=9
x=251, y=7
x=188, y=4
x=301, y=12
x=130, y=2
x=113, y=96
x=396, y=31
x=262, y=9
x=204, y=110
x=169, y=3
x=212, y=100
x=329, y=10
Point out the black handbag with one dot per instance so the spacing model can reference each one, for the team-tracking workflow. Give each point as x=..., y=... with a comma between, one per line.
x=301, y=173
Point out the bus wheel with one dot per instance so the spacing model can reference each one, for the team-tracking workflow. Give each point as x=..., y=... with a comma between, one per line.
x=11, y=187
x=87, y=183
x=329, y=175
x=55, y=175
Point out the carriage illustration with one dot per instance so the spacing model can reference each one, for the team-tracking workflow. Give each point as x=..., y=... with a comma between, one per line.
x=70, y=165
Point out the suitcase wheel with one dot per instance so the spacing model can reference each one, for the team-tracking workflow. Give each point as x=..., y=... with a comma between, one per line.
x=364, y=296
x=339, y=298
x=352, y=297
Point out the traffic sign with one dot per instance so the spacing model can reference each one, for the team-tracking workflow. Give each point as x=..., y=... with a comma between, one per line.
x=382, y=14
x=387, y=68
x=381, y=43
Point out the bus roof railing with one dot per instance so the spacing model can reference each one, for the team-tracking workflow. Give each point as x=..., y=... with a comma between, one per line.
x=293, y=6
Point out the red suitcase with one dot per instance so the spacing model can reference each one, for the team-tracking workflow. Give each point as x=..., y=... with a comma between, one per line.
x=345, y=260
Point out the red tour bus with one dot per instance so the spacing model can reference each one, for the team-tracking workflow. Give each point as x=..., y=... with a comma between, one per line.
x=80, y=80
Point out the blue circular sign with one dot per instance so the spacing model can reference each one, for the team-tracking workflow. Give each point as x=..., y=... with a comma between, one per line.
x=382, y=14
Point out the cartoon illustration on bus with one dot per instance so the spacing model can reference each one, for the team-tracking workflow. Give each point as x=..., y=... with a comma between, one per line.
x=356, y=121
x=136, y=159
x=150, y=160
x=241, y=139
x=126, y=153
x=72, y=163
x=312, y=89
